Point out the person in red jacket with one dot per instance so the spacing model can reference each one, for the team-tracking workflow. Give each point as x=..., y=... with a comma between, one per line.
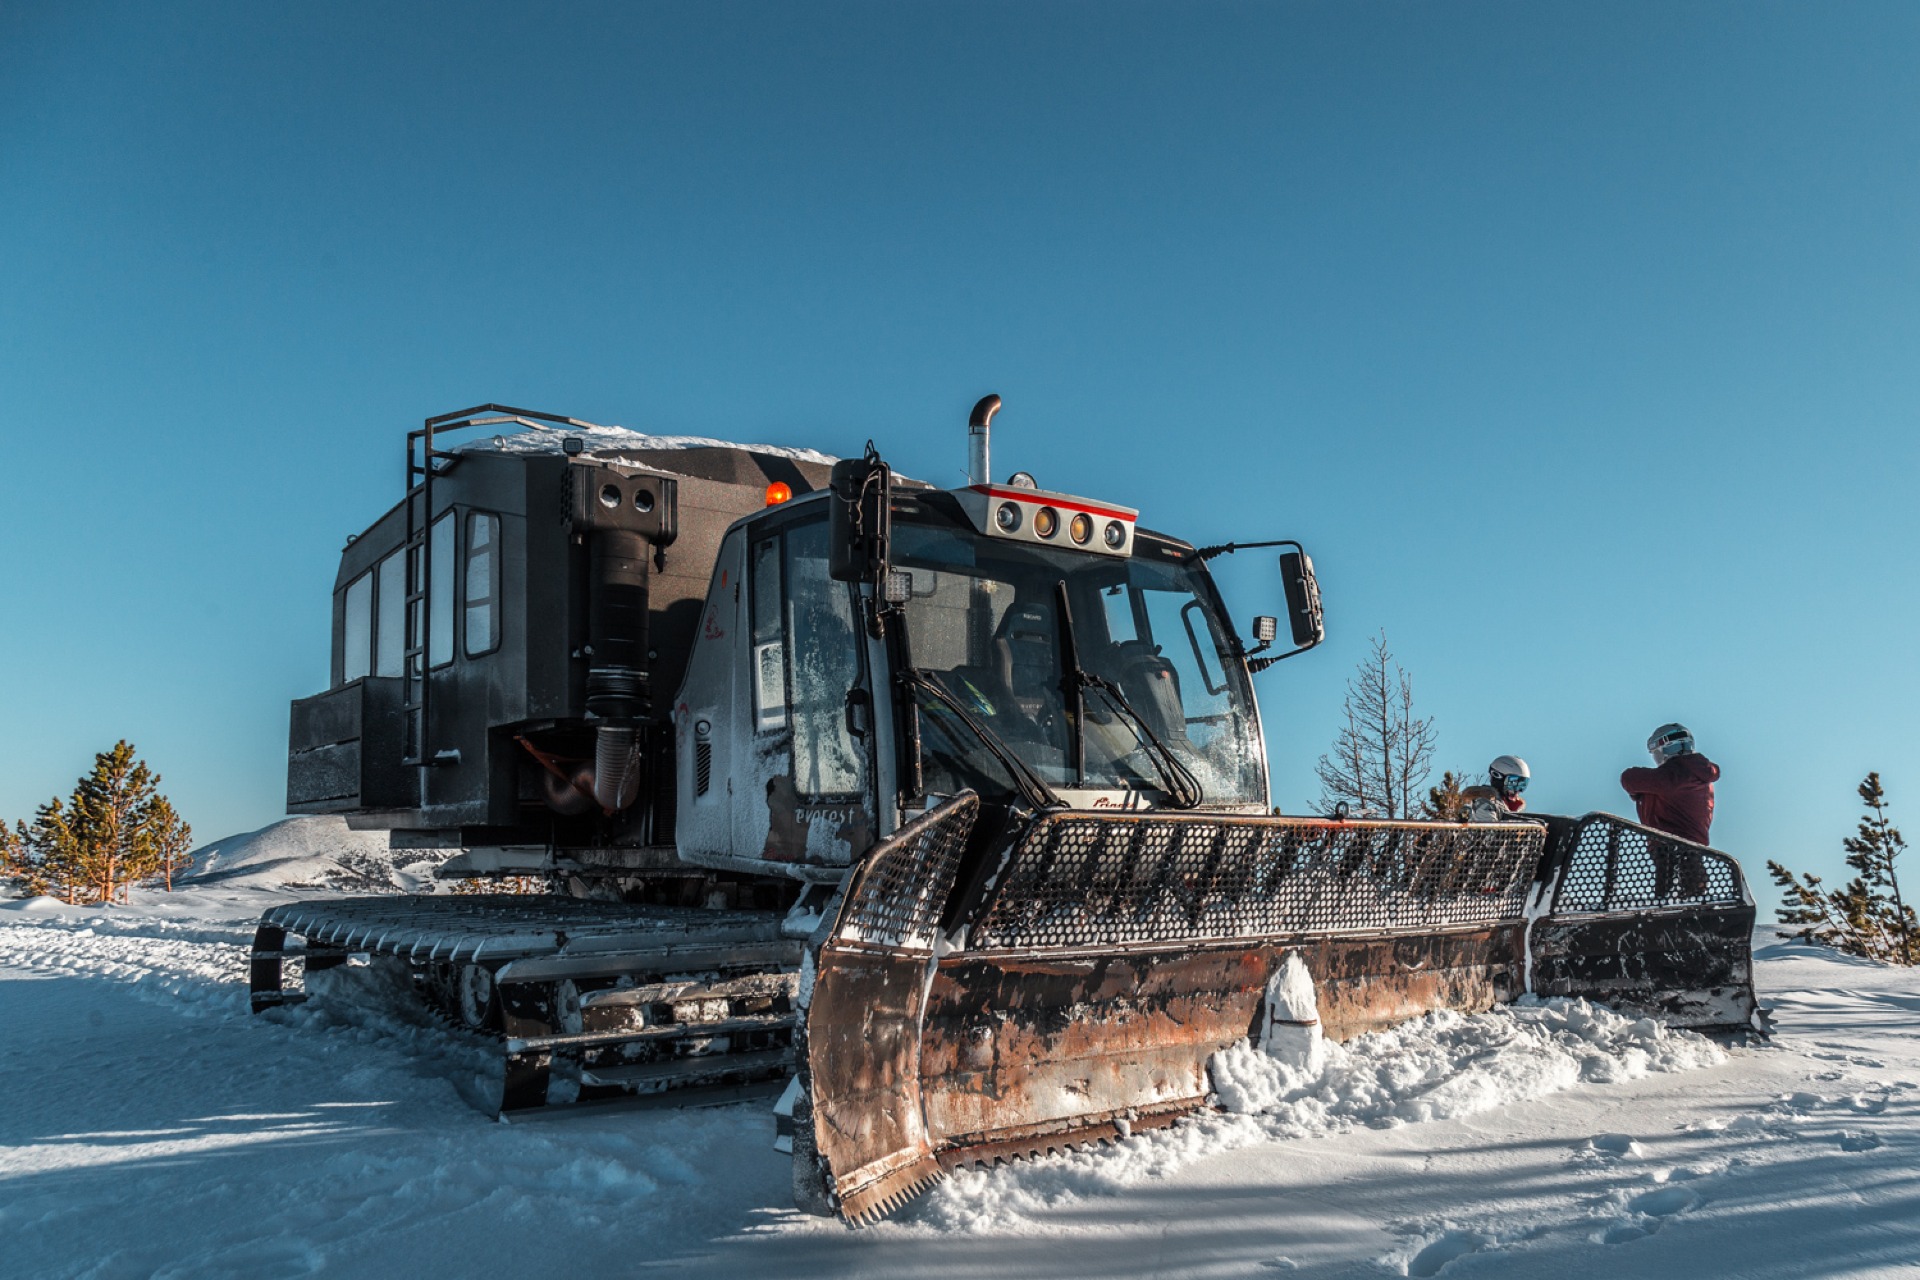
x=1676, y=795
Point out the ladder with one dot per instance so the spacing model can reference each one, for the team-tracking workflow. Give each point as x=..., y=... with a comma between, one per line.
x=424, y=461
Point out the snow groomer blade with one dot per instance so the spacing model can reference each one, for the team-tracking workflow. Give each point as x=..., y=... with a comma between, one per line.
x=1105, y=958
x=863, y=1022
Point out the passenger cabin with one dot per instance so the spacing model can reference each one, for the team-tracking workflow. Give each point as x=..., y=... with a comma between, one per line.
x=521, y=584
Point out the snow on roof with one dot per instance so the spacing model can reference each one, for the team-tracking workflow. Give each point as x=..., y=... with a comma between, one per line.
x=618, y=439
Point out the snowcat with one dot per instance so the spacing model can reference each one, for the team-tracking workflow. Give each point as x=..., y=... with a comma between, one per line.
x=945, y=810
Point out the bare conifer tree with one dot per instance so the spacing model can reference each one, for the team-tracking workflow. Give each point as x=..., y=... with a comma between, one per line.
x=1384, y=752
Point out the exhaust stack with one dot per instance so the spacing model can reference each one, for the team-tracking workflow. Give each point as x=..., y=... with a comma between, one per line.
x=625, y=517
x=979, y=425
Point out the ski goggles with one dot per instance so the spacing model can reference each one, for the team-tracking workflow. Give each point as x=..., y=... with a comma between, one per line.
x=1512, y=783
x=1672, y=745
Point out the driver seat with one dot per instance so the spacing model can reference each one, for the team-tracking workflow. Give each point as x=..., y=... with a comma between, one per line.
x=1153, y=686
x=1026, y=656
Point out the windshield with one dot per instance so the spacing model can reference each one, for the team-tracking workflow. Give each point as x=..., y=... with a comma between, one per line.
x=983, y=620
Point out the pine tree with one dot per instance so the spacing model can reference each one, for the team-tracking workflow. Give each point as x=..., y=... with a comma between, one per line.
x=53, y=854
x=1874, y=853
x=1870, y=916
x=114, y=831
x=1383, y=754
x=125, y=829
x=168, y=839
x=1807, y=903
x=1448, y=801
x=15, y=857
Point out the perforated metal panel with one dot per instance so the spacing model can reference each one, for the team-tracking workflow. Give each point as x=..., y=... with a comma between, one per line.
x=897, y=896
x=1616, y=865
x=1077, y=880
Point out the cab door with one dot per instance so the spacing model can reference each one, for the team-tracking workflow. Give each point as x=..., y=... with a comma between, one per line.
x=1645, y=922
x=804, y=793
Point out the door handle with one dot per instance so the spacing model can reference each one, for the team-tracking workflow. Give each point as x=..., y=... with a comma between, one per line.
x=858, y=700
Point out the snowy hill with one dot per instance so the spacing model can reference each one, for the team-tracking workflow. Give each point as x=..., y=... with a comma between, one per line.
x=331, y=1139
x=318, y=852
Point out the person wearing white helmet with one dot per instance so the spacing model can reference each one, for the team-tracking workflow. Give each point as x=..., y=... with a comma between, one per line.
x=1676, y=795
x=1500, y=797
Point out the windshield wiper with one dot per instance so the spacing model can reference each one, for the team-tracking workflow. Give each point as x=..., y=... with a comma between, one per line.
x=1183, y=789
x=1031, y=786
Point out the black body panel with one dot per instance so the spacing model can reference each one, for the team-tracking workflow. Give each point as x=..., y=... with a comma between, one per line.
x=521, y=672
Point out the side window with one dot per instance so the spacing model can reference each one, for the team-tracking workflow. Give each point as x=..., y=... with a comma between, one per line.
x=356, y=631
x=482, y=588
x=390, y=619
x=825, y=665
x=1180, y=630
x=440, y=584
x=769, y=645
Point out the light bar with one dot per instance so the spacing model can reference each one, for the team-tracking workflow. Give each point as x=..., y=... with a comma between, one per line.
x=1049, y=519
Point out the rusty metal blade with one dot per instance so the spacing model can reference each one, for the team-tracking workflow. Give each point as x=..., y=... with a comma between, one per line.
x=1035, y=1051
x=1113, y=955
x=1108, y=957
x=864, y=1015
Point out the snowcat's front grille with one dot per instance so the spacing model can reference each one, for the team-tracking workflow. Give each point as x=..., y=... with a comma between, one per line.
x=1616, y=865
x=1077, y=880
x=902, y=885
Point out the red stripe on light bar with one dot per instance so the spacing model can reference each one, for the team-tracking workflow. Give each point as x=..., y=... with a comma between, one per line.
x=1038, y=498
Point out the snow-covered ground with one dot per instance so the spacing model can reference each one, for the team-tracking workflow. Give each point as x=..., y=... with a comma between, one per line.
x=154, y=1127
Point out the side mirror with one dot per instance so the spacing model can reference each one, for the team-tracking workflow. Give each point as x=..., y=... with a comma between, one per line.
x=859, y=519
x=1303, y=599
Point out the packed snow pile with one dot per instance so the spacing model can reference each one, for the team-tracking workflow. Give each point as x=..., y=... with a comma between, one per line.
x=1438, y=1067
x=1444, y=1065
x=601, y=439
x=317, y=852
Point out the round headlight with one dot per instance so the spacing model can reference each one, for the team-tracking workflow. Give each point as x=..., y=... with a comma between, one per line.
x=1116, y=534
x=609, y=495
x=1007, y=516
x=1046, y=522
x=642, y=500
x=1080, y=528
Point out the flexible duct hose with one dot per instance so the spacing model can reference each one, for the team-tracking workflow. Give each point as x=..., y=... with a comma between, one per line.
x=570, y=793
x=616, y=767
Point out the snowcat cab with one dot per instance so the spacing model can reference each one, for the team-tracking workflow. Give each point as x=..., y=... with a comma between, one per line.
x=1093, y=676
x=948, y=807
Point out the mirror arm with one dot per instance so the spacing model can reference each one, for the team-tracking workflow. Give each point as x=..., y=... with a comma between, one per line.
x=1228, y=548
x=1257, y=665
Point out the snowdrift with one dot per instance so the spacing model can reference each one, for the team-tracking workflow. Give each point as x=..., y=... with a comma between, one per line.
x=1441, y=1066
x=305, y=853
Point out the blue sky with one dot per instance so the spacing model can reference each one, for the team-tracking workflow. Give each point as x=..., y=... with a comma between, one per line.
x=1577, y=342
